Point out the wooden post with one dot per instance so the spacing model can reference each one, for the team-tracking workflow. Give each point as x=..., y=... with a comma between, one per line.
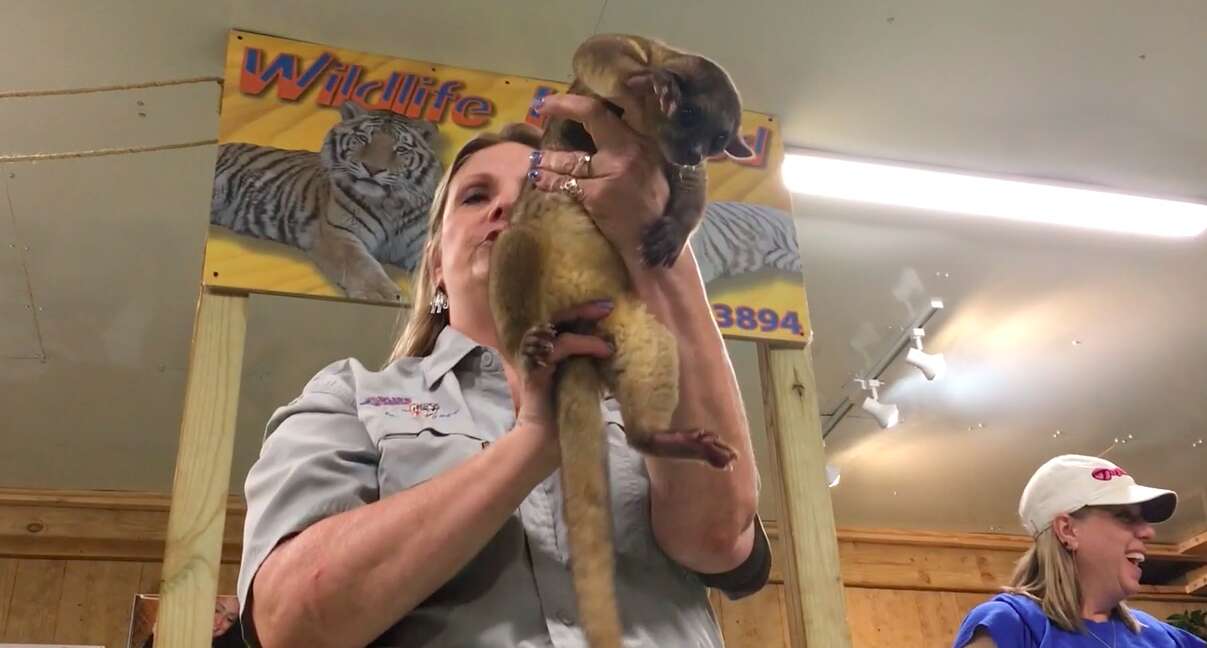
x=201, y=484
x=815, y=601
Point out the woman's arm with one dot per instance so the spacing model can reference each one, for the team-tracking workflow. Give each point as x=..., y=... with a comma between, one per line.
x=702, y=517
x=348, y=578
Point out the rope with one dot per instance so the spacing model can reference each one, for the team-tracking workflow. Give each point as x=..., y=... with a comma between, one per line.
x=34, y=157
x=130, y=86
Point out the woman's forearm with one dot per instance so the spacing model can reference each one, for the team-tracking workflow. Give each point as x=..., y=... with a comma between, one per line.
x=702, y=516
x=347, y=579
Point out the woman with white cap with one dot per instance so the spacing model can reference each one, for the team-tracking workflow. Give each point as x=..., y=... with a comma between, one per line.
x=1090, y=521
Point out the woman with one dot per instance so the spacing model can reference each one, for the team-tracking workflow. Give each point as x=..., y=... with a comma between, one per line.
x=1090, y=522
x=419, y=505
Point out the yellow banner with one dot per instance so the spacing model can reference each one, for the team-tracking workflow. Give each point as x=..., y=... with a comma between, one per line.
x=289, y=112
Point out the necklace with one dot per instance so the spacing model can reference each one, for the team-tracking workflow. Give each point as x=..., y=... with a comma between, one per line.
x=1114, y=629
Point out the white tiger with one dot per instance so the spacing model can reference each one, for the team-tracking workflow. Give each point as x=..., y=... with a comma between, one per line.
x=736, y=238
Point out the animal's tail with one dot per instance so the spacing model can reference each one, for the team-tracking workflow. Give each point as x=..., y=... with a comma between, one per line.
x=587, y=505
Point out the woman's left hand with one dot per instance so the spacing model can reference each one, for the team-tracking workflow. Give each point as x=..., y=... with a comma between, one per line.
x=623, y=184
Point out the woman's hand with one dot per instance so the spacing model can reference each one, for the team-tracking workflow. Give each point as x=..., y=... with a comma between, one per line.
x=623, y=184
x=543, y=347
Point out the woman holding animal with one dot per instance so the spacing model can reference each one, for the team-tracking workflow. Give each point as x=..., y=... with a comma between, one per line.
x=420, y=505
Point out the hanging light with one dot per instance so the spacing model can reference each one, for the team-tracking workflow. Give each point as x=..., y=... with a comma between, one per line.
x=886, y=414
x=932, y=365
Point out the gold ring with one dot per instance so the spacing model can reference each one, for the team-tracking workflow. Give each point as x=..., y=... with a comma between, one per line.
x=570, y=188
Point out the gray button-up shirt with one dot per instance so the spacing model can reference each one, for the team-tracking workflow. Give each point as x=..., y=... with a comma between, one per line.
x=355, y=436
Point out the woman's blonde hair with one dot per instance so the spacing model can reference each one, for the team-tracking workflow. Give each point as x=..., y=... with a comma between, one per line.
x=1047, y=573
x=422, y=327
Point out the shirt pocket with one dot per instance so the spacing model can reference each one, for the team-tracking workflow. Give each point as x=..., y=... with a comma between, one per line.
x=414, y=453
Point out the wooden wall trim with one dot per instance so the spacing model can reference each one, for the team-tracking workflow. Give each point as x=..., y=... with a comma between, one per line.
x=122, y=526
x=97, y=525
x=99, y=499
x=1161, y=593
x=965, y=540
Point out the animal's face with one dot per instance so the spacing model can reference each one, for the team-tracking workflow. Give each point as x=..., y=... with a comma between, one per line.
x=701, y=112
x=377, y=152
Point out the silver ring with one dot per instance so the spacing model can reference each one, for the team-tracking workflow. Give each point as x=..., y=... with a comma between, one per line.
x=570, y=188
x=686, y=170
x=587, y=165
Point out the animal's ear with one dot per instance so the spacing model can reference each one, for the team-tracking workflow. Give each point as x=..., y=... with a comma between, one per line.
x=737, y=149
x=426, y=129
x=350, y=110
x=662, y=83
x=666, y=86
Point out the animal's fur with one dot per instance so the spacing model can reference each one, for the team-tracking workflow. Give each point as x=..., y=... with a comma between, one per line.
x=552, y=257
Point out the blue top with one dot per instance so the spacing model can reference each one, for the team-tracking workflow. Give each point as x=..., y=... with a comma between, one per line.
x=1016, y=621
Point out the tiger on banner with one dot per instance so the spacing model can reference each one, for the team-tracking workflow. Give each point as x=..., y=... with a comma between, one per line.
x=328, y=159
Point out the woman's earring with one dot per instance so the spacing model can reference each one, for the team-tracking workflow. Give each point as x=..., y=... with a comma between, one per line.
x=439, y=302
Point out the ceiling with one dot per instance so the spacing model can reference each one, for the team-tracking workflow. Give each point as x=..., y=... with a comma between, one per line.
x=100, y=257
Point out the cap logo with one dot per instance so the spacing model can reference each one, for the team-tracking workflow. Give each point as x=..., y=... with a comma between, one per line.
x=1107, y=474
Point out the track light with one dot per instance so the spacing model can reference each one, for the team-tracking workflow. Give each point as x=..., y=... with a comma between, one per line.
x=932, y=365
x=833, y=475
x=876, y=370
x=885, y=414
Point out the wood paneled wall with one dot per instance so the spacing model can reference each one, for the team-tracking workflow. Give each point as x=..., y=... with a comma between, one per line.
x=903, y=591
x=77, y=601
x=71, y=563
x=901, y=618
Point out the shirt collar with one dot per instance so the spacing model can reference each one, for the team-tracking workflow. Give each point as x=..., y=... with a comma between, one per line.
x=451, y=347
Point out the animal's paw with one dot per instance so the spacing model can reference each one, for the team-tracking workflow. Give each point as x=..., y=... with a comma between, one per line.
x=387, y=292
x=375, y=295
x=536, y=347
x=661, y=243
x=693, y=444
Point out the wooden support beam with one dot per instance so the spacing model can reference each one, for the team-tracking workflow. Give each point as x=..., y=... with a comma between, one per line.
x=816, y=608
x=1196, y=581
x=201, y=484
x=1195, y=545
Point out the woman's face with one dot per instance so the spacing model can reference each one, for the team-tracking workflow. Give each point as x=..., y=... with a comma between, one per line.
x=1110, y=548
x=225, y=615
x=480, y=198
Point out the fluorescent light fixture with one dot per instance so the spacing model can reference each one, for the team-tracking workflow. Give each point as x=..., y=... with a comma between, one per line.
x=817, y=175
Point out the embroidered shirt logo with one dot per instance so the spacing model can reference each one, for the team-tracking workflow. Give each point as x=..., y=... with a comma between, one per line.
x=412, y=407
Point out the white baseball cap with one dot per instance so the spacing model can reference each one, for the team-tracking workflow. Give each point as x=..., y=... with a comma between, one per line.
x=1066, y=483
